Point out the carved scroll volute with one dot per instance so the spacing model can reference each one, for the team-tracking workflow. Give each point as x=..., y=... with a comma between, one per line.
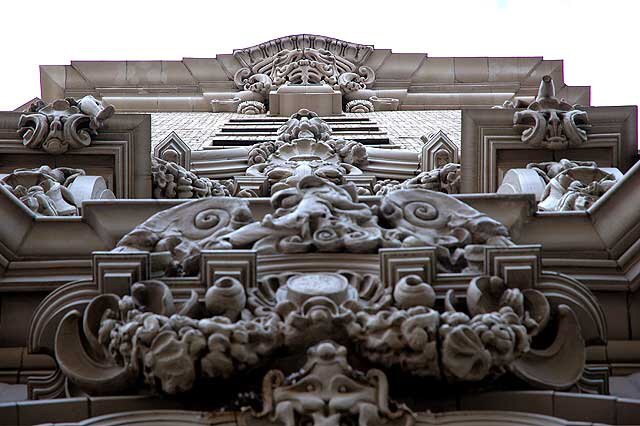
x=91, y=370
x=63, y=124
x=551, y=122
x=560, y=365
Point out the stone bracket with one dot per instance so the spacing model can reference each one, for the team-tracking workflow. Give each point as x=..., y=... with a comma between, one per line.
x=239, y=264
x=396, y=263
x=116, y=272
x=258, y=184
x=519, y=266
x=362, y=181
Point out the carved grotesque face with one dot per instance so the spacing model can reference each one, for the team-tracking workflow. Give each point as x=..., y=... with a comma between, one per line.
x=442, y=158
x=551, y=122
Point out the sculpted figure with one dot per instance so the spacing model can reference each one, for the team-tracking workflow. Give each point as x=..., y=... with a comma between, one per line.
x=550, y=169
x=305, y=148
x=319, y=216
x=576, y=188
x=314, y=216
x=44, y=190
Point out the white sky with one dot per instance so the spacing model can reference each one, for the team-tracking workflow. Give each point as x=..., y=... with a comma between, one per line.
x=599, y=41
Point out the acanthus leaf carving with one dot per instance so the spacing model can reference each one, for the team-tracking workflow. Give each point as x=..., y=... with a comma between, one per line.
x=171, y=180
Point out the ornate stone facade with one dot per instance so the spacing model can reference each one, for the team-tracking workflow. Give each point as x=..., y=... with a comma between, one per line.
x=307, y=271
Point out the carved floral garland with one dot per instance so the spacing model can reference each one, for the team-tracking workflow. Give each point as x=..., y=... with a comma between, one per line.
x=144, y=334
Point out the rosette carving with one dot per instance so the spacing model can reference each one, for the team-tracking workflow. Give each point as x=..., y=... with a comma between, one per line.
x=359, y=105
x=251, y=108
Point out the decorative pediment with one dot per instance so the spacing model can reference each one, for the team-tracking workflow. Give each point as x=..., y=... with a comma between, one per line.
x=302, y=61
x=252, y=56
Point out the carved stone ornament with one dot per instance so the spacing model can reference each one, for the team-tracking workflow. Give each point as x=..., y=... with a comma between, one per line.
x=170, y=180
x=576, y=188
x=64, y=124
x=55, y=192
x=359, y=105
x=251, y=108
x=327, y=391
x=551, y=123
x=304, y=147
x=444, y=179
x=303, y=60
x=119, y=340
x=319, y=216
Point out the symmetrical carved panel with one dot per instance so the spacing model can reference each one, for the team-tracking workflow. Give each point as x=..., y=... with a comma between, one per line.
x=551, y=123
x=319, y=216
x=63, y=124
x=328, y=391
x=304, y=147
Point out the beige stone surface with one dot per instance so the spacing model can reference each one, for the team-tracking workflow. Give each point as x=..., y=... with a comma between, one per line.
x=403, y=127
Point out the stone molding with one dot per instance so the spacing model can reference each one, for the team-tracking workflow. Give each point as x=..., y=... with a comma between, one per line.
x=414, y=80
x=507, y=289
x=489, y=136
x=120, y=152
